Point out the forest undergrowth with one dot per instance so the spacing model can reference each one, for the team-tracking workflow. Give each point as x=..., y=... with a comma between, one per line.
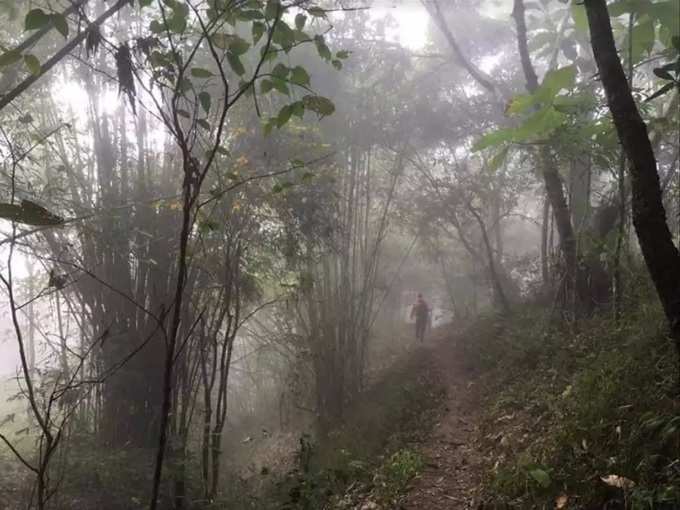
x=581, y=416
x=573, y=416
x=373, y=456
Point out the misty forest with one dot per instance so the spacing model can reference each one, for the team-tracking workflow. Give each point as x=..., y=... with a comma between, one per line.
x=339, y=254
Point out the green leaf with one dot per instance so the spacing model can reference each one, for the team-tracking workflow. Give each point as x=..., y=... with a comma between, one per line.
x=663, y=74
x=520, y=104
x=555, y=81
x=273, y=9
x=266, y=86
x=337, y=64
x=177, y=23
x=199, y=72
x=538, y=126
x=204, y=124
x=33, y=64
x=667, y=14
x=284, y=36
x=235, y=63
x=541, y=477
x=621, y=7
x=238, y=46
x=268, y=54
x=663, y=90
x=145, y=3
x=281, y=85
x=61, y=24
x=206, y=226
x=36, y=19
x=300, y=21
x=343, y=54
x=221, y=40
x=258, y=31
x=268, y=126
x=184, y=113
x=644, y=36
x=284, y=116
x=300, y=76
x=321, y=47
x=205, y=100
x=9, y=58
x=298, y=108
x=301, y=36
x=280, y=71
x=322, y=106
x=575, y=103
x=156, y=27
x=578, y=14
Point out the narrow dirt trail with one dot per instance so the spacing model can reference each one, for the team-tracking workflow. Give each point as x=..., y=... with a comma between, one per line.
x=452, y=472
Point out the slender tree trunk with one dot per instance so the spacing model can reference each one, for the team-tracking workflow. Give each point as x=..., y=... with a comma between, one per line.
x=545, y=253
x=620, y=237
x=649, y=217
x=621, y=182
x=493, y=272
x=449, y=286
x=551, y=176
x=32, y=319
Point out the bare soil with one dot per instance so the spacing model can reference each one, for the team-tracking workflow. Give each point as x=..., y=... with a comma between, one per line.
x=453, y=468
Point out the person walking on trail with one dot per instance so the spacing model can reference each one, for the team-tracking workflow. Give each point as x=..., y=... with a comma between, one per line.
x=421, y=313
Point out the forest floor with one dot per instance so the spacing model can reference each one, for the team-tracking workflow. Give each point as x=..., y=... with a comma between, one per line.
x=521, y=412
x=452, y=471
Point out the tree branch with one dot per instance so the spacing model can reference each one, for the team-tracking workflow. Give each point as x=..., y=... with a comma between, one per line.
x=57, y=57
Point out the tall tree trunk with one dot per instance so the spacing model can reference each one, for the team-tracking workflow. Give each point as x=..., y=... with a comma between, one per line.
x=649, y=217
x=551, y=177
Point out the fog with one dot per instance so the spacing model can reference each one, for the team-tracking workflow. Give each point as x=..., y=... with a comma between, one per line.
x=239, y=238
